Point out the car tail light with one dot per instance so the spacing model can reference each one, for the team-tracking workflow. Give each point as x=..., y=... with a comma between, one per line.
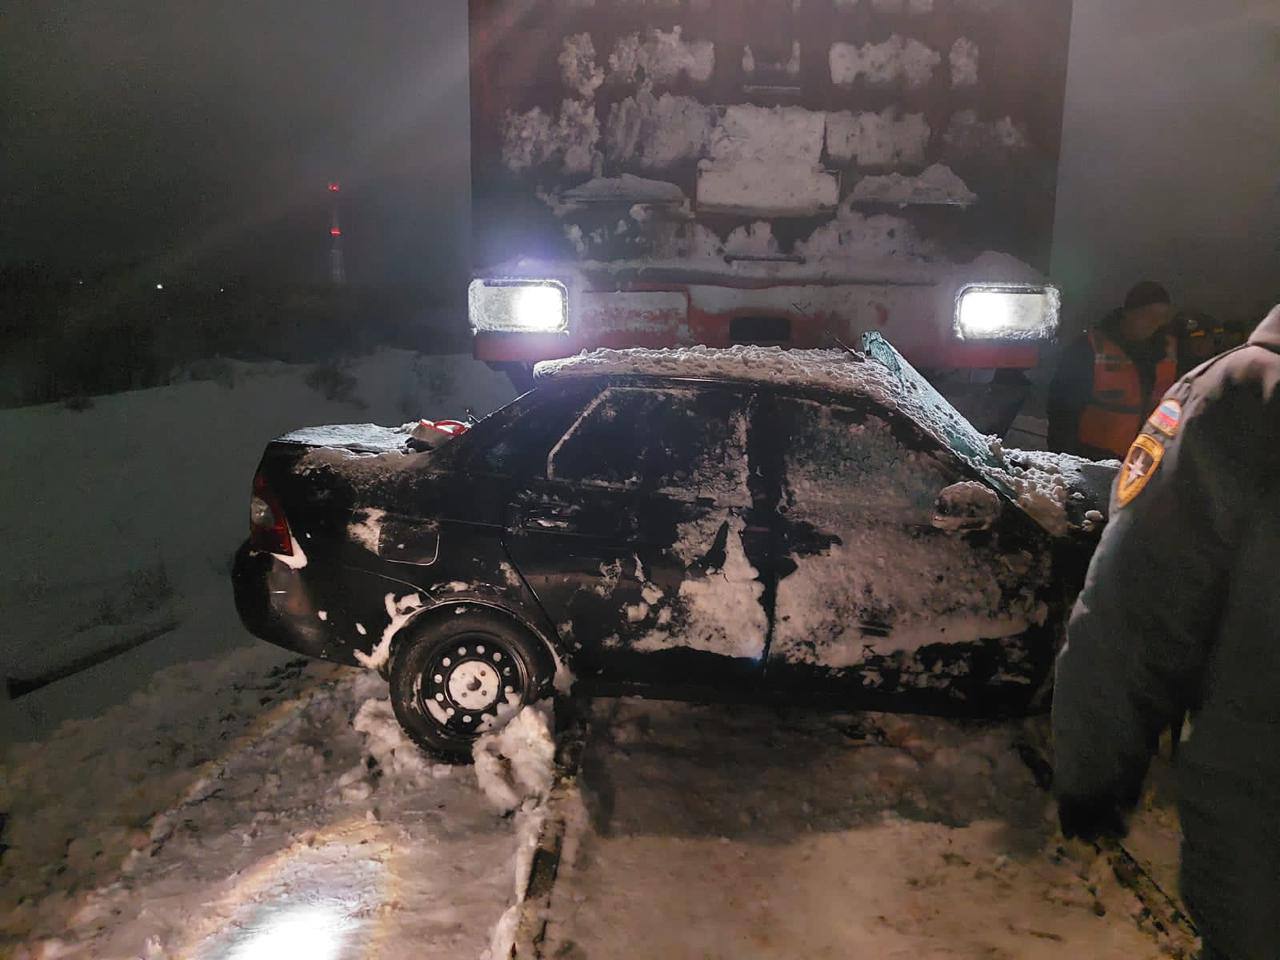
x=268, y=529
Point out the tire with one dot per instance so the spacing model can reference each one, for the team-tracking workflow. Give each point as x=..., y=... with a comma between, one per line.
x=463, y=674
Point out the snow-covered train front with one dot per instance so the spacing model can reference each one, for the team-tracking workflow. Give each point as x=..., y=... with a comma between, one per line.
x=668, y=172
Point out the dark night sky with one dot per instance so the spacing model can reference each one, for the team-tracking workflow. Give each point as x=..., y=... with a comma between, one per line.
x=205, y=130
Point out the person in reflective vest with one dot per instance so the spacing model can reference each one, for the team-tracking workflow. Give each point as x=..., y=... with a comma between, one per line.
x=1110, y=380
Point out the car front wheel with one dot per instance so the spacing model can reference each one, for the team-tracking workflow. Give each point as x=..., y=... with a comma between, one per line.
x=462, y=676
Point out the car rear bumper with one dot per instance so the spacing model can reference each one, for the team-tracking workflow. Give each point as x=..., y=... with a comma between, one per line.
x=278, y=604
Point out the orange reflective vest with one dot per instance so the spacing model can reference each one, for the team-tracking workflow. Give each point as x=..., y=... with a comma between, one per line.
x=1117, y=408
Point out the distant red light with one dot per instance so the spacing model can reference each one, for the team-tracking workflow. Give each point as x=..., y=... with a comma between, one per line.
x=335, y=232
x=333, y=188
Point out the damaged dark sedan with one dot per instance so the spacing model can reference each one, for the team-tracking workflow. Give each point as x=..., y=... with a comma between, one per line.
x=749, y=523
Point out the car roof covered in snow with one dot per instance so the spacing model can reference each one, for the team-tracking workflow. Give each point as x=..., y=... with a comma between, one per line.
x=1056, y=490
x=877, y=372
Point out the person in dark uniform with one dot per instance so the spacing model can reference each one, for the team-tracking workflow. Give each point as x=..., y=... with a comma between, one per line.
x=1181, y=611
x=1113, y=376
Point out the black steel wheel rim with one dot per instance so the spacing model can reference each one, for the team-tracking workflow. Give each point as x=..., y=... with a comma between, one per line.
x=470, y=683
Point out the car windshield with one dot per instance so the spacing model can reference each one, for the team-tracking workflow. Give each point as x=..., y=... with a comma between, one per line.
x=930, y=410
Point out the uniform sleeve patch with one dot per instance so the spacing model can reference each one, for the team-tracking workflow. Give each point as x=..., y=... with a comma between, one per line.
x=1167, y=417
x=1140, y=465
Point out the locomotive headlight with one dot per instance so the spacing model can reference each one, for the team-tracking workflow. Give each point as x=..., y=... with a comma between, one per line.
x=1007, y=312
x=518, y=306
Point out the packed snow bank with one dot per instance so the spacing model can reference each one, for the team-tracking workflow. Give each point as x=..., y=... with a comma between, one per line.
x=661, y=57
x=221, y=831
x=657, y=132
x=515, y=769
x=516, y=764
x=578, y=66
x=535, y=137
x=938, y=184
x=896, y=60
x=877, y=139
x=845, y=835
x=144, y=497
x=766, y=160
x=969, y=136
x=964, y=63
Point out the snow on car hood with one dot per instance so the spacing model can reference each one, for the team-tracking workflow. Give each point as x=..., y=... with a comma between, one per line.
x=1060, y=492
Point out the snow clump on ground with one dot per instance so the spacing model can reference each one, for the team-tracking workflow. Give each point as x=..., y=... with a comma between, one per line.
x=516, y=764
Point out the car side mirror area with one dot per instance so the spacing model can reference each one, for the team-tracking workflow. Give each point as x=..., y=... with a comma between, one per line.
x=966, y=507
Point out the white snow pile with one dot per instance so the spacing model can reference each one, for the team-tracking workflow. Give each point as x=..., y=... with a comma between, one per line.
x=578, y=66
x=516, y=764
x=657, y=132
x=964, y=63
x=534, y=137
x=627, y=189
x=877, y=139
x=194, y=821
x=938, y=184
x=851, y=237
x=662, y=57
x=753, y=240
x=767, y=160
x=1059, y=490
x=397, y=755
x=968, y=135
x=855, y=835
x=894, y=61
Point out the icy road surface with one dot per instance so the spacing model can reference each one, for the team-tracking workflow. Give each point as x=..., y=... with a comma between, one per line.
x=711, y=832
x=255, y=807
x=246, y=809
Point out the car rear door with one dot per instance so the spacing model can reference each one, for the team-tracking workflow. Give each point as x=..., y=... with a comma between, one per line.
x=640, y=540
x=880, y=601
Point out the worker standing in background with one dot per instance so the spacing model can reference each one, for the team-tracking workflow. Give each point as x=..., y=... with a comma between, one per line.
x=1110, y=379
x=1181, y=611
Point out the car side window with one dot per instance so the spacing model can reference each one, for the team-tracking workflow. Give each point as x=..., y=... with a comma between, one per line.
x=684, y=442
x=514, y=440
x=848, y=459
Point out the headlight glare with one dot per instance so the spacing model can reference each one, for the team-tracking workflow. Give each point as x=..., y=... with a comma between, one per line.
x=1007, y=312
x=518, y=306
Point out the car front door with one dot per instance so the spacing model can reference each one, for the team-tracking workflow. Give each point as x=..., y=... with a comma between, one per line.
x=640, y=542
x=882, y=599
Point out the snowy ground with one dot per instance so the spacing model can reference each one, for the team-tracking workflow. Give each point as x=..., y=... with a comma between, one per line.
x=705, y=832
x=121, y=519
x=282, y=815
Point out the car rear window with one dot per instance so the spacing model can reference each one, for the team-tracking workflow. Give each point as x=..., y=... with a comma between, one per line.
x=686, y=442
